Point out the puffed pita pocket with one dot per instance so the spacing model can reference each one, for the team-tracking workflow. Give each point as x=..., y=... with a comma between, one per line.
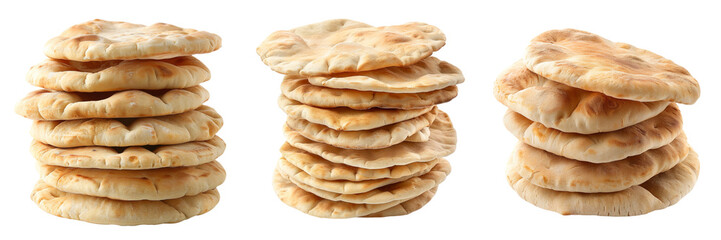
x=100, y=40
x=566, y=108
x=587, y=61
x=197, y=125
x=117, y=75
x=56, y=105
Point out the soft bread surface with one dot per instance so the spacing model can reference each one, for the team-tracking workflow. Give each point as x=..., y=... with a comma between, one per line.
x=587, y=61
x=341, y=45
x=100, y=40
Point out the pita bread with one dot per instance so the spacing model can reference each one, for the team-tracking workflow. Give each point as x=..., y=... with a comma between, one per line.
x=566, y=108
x=377, y=138
x=107, y=76
x=441, y=143
x=346, y=119
x=659, y=192
x=318, y=167
x=109, y=211
x=428, y=75
x=587, y=61
x=600, y=147
x=300, y=90
x=133, y=185
x=198, y=125
x=405, y=189
x=298, y=176
x=554, y=172
x=100, y=40
x=131, y=158
x=54, y=105
x=341, y=45
x=408, y=206
x=306, y=202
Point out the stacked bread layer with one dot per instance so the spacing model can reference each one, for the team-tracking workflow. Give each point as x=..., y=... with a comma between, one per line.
x=364, y=137
x=598, y=127
x=121, y=135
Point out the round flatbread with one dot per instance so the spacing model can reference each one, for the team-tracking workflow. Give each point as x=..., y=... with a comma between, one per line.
x=306, y=202
x=300, y=90
x=55, y=105
x=428, y=75
x=298, y=176
x=406, y=189
x=109, y=211
x=318, y=167
x=566, y=108
x=342, y=45
x=100, y=40
x=107, y=76
x=599, y=147
x=376, y=138
x=558, y=173
x=198, y=125
x=659, y=192
x=442, y=143
x=346, y=119
x=133, y=185
x=587, y=61
x=130, y=158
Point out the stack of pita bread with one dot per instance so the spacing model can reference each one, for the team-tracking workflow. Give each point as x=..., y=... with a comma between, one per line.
x=121, y=135
x=364, y=135
x=600, y=132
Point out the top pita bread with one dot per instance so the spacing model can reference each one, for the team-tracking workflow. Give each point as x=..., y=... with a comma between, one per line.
x=340, y=45
x=106, y=76
x=100, y=40
x=427, y=75
x=566, y=108
x=590, y=62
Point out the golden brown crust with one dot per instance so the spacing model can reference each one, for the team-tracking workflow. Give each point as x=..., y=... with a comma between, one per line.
x=599, y=147
x=376, y=138
x=107, y=76
x=659, y=192
x=442, y=143
x=566, y=108
x=300, y=90
x=341, y=45
x=198, y=125
x=587, y=61
x=134, y=185
x=130, y=158
x=108, y=211
x=306, y=202
x=399, y=189
x=318, y=167
x=554, y=172
x=426, y=75
x=100, y=40
x=55, y=105
x=346, y=119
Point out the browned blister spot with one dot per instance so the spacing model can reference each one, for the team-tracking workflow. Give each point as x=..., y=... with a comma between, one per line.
x=84, y=38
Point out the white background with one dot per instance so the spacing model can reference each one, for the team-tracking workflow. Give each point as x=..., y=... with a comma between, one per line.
x=474, y=202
